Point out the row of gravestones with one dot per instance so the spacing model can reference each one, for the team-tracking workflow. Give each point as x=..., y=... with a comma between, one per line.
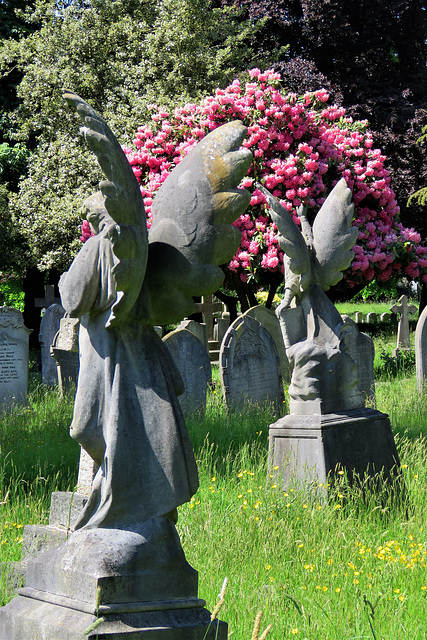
x=252, y=356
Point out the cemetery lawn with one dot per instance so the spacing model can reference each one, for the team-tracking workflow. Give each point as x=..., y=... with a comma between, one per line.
x=346, y=568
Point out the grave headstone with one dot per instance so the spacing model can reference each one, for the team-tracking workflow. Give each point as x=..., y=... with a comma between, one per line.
x=385, y=317
x=49, y=327
x=196, y=328
x=405, y=310
x=208, y=307
x=359, y=317
x=65, y=350
x=371, y=317
x=220, y=328
x=192, y=361
x=49, y=298
x=14, y=338
x=361, y=348
x=250, y=365
x=269, y=320
x=86, y=474
x=421, y=350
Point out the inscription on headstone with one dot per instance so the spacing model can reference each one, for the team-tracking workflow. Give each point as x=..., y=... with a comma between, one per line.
x=14, y=337
x=250, y=365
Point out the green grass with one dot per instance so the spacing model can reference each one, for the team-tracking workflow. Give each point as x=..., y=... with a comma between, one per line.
x=346, y=568
x=350, y=308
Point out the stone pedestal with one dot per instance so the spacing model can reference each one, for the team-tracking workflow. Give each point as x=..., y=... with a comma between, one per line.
x=30, y=619
x=309, y=448
x=110, y=584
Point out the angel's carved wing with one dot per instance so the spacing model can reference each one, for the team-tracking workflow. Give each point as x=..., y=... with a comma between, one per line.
x=291, y=240
x=333, y=236
x=119, y=206
x=191, y=232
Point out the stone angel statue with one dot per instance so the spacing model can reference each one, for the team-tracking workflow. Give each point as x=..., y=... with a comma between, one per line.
x=124, y=281
x=324, y=377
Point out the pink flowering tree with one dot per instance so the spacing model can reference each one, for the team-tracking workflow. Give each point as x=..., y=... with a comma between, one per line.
x=301, y=146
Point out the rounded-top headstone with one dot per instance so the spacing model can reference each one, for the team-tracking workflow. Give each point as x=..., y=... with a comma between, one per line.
x=14, y=337
x=250, y=365
x=270, y=321
x=49, y=327
x=192, y=361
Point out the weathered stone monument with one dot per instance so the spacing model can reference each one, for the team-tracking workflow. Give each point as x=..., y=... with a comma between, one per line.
x=421, y=350
x=122, y=572
x=268, y=319
x=250, y=366
x=65, y=352
x=198, y=329
x=192, y=361
x=49, y=298
x=49, y=327
x=328, y=425
x=208, y=307
x=14, y=337
x=403, y=335
x=361, y=349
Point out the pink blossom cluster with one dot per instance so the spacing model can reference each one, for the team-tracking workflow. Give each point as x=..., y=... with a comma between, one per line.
x=86, y=231
x=301, y=147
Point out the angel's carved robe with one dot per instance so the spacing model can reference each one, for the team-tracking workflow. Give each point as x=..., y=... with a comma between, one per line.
x=126, y=412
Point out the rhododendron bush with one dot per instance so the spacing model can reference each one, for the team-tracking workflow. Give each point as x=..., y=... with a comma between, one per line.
x=302, y=146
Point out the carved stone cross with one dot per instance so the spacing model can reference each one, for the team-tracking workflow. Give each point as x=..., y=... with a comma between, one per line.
x=405, y=310
x=208, y=307
x=49, y=298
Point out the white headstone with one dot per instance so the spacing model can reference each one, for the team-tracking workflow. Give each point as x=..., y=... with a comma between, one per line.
x=421, y=350
x=49, y=327
x=192, y=361
x=14, y=337
x=250, y=365
x=405, y=310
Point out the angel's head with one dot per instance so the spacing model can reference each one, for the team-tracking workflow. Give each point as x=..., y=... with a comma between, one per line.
x=93, y=209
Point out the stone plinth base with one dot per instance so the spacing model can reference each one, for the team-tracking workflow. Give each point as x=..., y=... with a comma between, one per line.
x=27, y=618
x=110, y=584
x=308, y=449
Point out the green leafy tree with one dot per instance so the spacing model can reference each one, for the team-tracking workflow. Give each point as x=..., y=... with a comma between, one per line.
x=421, y=195
x=121, y=56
